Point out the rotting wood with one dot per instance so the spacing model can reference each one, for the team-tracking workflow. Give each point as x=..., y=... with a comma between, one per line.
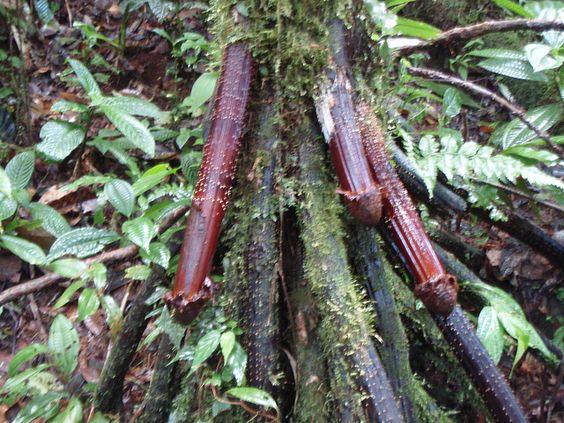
x=193, y=288
x=252, y=275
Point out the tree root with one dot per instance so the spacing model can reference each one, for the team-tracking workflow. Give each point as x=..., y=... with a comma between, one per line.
x=108, y=394
x=343, y=326
x=159, y=397
x=416, y=405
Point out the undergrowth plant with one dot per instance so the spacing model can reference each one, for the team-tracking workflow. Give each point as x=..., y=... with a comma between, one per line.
x=512, y=156
x=136, y=201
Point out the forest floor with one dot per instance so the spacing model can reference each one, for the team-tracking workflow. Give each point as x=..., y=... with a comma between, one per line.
x=146, y=67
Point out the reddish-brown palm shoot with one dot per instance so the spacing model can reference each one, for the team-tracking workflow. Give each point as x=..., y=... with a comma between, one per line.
x=215, y=178
x=335, y=111
x=436, y=288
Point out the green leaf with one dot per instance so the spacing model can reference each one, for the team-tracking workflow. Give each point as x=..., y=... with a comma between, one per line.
x=157, y=253
x=131, y=128
x=64, y=344
x=254, y=396
x=517, y=133
x=68, y=293
x=81, y=242
x=24, y=249
x=513, y=69
x=381, y=15
x=451, y=102
x=205, y=348
x=203, y=88
x=20, y=169
x=63, y=106
x=7, y=207
x=42, y=407
x=99, y=275
x=72, y=414
x=539, y=57
x=90, y=32
x=236, y=364
x=139, y=272
x=440, y=89
x=18, y=385
x=5, y=184
x=227, y=342
x=86, y=79
x=86, y=180
x=88, y=303
x=68, y=268
x=417, y=29
x=140, y=231
x=121, y=196
x=43, y=10
x=510, y=315
x=549, y=11
x=50, y=219
x=131, y=106
x=113, y=311
x=513, y=7
x=490, y=333
x=59, y=139
x=25, y=354
x=151, y=178
x=530, y=156
x=161, y=32
x=499, y=53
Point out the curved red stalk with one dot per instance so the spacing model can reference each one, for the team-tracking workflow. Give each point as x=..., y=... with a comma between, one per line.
x=335, y=111
x=436, y=288
x=215, y=180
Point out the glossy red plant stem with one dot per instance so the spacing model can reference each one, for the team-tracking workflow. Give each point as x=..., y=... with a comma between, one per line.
x=215, y=180
x=335, y=111
x=436, y=288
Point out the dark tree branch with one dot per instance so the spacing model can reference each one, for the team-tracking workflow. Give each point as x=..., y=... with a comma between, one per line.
x=477, y=30
x=479, y=91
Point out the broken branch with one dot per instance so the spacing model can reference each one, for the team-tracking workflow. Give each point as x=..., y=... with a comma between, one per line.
x=477, y=30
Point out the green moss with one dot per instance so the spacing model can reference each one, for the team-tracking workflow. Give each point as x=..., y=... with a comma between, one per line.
x=287, y=37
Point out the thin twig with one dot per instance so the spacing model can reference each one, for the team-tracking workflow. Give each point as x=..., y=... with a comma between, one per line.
x=477, y=30
x=50, y=278
x=478, y=90
x=520, y=193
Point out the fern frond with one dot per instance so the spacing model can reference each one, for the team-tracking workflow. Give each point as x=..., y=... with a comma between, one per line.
x=465, y=163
